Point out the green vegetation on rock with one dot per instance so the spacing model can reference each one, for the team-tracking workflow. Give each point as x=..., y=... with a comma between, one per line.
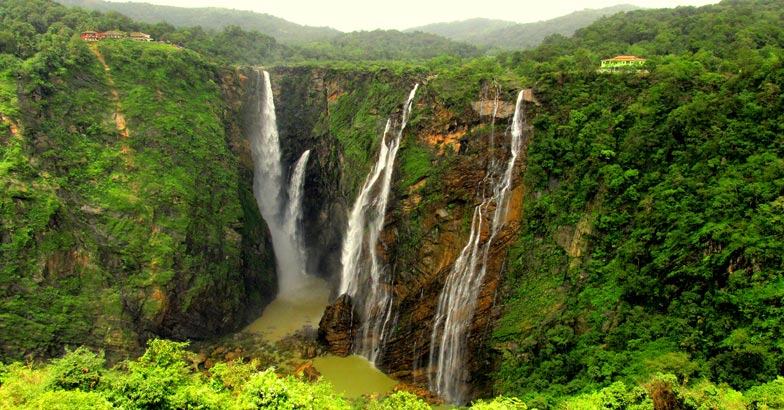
x=121, y=201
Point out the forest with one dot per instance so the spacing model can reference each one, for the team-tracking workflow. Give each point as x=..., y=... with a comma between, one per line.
x=648, y=272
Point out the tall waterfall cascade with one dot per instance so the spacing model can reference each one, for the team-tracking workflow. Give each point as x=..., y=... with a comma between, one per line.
x=458, y=299
x=280, y=207
x=363, y=276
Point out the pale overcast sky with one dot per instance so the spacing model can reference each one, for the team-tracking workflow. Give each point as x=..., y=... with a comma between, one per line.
x=350, y=15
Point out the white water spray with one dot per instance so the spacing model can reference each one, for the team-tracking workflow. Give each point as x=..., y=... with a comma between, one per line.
x=362, y=275
x=265, y=149
x=268, y=190
x=458, y=299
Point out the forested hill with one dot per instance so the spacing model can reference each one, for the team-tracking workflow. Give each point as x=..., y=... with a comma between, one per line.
x=391, y=45
x=305, y=42
x=653, y=240
x=211, y=18
x=509, y=35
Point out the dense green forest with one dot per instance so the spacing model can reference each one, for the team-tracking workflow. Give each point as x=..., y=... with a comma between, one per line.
x=670, y=184
x=242, y=37
x=649, y=272
x=122, y=202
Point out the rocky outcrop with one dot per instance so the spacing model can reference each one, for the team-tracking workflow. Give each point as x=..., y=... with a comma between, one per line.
x=337, y=326
x=307, y=371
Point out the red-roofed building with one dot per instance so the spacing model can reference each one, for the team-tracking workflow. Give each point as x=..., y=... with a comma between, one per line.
x=90, y=36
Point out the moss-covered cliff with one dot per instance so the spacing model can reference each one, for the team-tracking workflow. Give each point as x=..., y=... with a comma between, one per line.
x=127, y=210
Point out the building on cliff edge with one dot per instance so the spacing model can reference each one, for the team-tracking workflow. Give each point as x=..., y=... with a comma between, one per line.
x=90, y=35
x=622, y=63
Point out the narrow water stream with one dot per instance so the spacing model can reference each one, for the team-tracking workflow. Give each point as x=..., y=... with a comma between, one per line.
x=353, y=376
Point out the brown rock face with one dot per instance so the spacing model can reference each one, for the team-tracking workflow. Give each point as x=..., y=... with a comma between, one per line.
x=337, y=326
x=306, y=371
x=431, y=234
x=427, y=219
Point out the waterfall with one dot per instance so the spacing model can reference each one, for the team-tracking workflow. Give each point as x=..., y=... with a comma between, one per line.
x=270, y=194
x=265, y=149
x=458, y=299
x=293, y=220
x=362, y=276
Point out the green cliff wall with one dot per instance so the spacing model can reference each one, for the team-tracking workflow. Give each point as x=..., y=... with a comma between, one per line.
x=127, y=210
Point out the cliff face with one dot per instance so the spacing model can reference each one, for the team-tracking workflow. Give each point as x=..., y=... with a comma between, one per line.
x=339, y=116
x=127, y=210
x=429, y=225
x=441, y=163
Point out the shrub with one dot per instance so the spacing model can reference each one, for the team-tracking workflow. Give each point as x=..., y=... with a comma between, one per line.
x=767, y=396
x=79, y=369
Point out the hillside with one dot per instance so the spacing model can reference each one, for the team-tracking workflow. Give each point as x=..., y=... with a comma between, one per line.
x=653, y=240
x=509, y=35
x=238, y=37
x=211, y=18
x=124, y=200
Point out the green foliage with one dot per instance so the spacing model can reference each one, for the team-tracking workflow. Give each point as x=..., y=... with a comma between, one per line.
x=211, y=18
x=154, y=379
x=386, y=45
x=162, y=378
x=20, y=384
x=670, y=183
x=69, y=400
x=399, y=400
x=79, y=369
x=766, y=396
x=500, y=403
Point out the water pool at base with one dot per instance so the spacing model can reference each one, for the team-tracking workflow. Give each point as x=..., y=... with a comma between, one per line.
x=352, y=375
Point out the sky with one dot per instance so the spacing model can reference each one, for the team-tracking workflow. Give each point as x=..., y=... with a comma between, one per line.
x=352, y=15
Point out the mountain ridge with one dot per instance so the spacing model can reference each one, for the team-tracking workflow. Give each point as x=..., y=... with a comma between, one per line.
x=510, y=35
x=214, y=18
x=480, y=32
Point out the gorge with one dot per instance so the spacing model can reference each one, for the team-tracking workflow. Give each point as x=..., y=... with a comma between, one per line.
x=367, y=286
x=518, y=227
